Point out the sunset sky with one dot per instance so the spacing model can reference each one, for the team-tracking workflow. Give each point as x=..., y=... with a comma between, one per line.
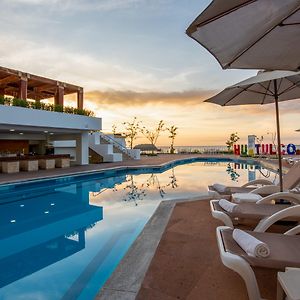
x=133, y=58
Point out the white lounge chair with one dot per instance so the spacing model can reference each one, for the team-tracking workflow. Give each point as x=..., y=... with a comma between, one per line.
x=284, y=252
x=260, y=186
x=257, y=212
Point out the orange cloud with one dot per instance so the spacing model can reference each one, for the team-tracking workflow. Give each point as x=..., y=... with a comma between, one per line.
x=134, y=98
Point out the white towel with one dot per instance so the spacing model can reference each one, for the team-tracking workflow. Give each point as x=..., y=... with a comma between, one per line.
x=245, y=197
x=227, y=205
x=251, y=245
x=221, y=188
x=296, y=190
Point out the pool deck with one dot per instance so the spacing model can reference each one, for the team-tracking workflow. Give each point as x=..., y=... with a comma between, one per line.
x=145, y=161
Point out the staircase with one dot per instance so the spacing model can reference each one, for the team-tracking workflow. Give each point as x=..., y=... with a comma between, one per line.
x=110, y=149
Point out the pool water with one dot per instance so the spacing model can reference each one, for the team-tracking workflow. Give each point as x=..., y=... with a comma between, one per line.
x=62, y=238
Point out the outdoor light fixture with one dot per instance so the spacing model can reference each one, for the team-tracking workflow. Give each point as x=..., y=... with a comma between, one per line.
x=11, y=130
x=21, y=133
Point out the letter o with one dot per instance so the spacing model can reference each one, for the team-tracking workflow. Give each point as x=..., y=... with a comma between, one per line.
x=291, y=149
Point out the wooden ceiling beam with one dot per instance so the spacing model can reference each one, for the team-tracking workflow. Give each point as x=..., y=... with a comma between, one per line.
x=45, y=87
x=9, y=79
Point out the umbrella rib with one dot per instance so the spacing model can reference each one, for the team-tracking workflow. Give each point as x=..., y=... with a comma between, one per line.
x=294, y=85
x=225, y=13
x=242, y=90
x=258, y=92
x=290, y=24
x=267, y=89
x=261, y=93
x=266, y=93
x=254, y=43
x=279, y=85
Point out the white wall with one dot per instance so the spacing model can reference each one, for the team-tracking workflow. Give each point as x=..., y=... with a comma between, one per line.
x=12, y=115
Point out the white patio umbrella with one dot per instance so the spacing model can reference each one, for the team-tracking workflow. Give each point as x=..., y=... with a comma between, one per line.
x=251, y=34
x=264, y=88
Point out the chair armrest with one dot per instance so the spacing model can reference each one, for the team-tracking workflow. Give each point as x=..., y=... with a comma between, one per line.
x=267, y=189
x=220, y=215
x=257, y=181
x=239, y=265
x=263, y=225
x=291, y=197
x=295, y=230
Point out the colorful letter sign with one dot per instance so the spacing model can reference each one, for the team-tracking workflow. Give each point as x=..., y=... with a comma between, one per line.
x=262, y=149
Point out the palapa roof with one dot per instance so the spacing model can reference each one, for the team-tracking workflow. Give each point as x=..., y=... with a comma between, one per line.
x=146, y=147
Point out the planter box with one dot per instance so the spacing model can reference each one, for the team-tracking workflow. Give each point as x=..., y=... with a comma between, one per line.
x=29, y=165
x=46, y=164
x=10, y=167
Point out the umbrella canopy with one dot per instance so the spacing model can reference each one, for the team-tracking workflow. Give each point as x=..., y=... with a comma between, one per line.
x=264, y=88
x=251, y=34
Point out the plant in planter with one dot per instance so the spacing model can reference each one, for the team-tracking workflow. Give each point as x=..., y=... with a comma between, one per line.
x=58, y=108
x=88, y=113
x=69, y=110
x=20, y=102
x=36, y=105
x=7, y=101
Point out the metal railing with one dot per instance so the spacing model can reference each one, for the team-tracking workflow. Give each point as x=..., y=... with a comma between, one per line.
x=116, y=144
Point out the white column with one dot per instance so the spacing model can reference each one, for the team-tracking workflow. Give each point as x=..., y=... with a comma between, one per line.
x=82, y=149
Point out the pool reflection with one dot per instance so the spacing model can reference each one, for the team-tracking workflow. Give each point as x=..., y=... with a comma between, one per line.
x=36, y=233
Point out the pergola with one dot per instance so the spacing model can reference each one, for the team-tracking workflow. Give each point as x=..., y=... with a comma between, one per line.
x=28, y=86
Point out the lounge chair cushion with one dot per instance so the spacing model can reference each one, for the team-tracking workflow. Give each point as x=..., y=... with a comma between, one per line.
x=284, y=249
x=232, y=189
x=253, y=211
x=245, y=197
x=221, y=188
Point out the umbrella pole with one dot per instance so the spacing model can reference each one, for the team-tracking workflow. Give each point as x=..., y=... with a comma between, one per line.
x=278, y=135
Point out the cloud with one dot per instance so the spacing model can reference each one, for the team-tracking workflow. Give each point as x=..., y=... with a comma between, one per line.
x=86, y=70
x=135, y=98
x=77, y=5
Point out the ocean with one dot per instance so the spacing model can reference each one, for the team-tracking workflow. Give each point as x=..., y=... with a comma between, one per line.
x=194, y=149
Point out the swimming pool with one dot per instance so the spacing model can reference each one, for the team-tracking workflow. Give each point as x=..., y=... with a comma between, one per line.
x=62, y=238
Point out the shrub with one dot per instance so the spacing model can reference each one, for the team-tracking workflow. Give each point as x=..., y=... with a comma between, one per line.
x=58, y=108
x=49, y=107
x=36, y=105
x=19, y=102
x=88, y=113
x=7, y=101
x=44, y=106
x=69, y=110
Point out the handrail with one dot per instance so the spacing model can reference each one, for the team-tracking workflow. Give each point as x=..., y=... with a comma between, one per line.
x=107, y=137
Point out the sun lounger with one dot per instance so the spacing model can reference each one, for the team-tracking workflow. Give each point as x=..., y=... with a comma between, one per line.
x=260, y=212
x=261, y=186
x=284, y=252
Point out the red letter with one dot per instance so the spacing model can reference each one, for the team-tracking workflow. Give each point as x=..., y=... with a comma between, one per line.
x=236, y=150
